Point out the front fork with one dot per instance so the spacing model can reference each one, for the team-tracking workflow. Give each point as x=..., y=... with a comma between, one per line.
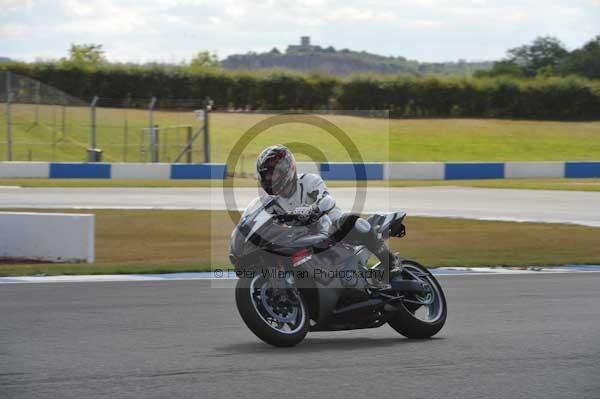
x=284, y=282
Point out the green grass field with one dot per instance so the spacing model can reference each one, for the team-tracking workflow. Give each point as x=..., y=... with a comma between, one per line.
x=532, y=184
x=63, y=134
x=130, y=241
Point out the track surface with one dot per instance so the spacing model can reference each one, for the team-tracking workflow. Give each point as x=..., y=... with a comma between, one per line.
x=475, y=203
x=530, y=336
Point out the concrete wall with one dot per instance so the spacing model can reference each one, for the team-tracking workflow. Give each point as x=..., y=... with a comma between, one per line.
x=414, y=171
x=351, y=171
x=24, y=169
x=473, y=170
x=102, y=170
x=198, y=171
x=64, y=170
x=329, y=170
x=141, y=171
x=517, y=170
x=53, y=237
x=582, y=169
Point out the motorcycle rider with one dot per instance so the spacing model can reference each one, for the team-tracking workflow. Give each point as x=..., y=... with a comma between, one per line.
x=277, y=175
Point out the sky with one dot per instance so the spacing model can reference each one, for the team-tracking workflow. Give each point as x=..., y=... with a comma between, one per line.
x=174, y=30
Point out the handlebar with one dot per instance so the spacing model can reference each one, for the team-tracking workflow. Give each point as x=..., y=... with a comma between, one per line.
x=287, y=217
x=305, y=215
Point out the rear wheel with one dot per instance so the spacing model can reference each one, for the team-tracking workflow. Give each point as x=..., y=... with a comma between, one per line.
x=420, y=316
x=275, y=314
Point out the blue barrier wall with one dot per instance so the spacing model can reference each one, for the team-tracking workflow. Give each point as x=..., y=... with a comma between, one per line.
x=474, y=171
x=198, y=171
x=582, y=169
x=351, y=171
x=79, y=171
x=104, y=171
x=329, y=171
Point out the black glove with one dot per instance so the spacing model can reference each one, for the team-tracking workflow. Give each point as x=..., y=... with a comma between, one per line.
x=307, y=214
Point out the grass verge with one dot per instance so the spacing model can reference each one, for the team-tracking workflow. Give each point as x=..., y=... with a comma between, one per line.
x=130, y=241
x=62, y=134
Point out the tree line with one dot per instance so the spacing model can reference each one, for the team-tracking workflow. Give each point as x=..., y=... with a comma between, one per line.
x=499, y=96
x=548, y=56
x=346, y=62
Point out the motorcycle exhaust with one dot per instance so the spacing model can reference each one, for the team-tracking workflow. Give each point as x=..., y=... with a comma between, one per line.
x=410, y=286
x=360, y=306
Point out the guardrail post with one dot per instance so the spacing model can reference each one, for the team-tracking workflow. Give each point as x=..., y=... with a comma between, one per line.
x=126, y=127
x=63, y=115
x=37, y=103
x=208, y=103
x=92, y=155
x=9, y=98
x=152, y=131
x=189, y=144
x=93, y=120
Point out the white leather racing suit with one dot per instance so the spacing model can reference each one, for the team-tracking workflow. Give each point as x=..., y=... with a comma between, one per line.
x=309, y=189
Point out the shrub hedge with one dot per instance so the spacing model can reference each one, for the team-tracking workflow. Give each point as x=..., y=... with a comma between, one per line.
x=404, y=96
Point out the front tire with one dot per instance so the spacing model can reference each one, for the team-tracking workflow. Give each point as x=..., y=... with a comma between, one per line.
x=254, y=306
x=408, y=320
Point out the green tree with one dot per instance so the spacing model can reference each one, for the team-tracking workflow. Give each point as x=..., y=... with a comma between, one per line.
x=86, y=55
x=204, y=60
x=543, y=52
x=585, y=61
x=502, y=68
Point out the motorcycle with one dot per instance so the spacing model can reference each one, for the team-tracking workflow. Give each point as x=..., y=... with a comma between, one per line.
x=293, y=278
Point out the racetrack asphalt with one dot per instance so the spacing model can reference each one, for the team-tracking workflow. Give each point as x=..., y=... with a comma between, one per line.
x=552, y=206
x=507, y=336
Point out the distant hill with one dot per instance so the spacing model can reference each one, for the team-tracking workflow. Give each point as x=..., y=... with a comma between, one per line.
x=5, y=59
x=306, y=57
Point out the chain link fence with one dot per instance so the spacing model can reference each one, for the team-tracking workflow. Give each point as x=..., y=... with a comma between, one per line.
x=40, y=123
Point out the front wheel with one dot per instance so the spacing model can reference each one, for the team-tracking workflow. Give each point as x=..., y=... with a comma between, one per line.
x=276, y=314
x=420, y=316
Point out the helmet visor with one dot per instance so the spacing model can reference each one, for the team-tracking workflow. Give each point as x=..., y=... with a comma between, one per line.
x=277, y=174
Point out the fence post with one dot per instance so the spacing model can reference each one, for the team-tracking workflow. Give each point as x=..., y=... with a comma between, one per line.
x=53, y=145
x=9, y=98
x=92, y=155
x=37, y=103
x=156, y=154
x=152, y=132
x=93, y=117
x=189, y=144
x=64, y=115
x=208, y=103
x=126, y=127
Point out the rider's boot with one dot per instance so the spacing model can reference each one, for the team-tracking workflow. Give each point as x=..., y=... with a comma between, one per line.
x=389, y=260
x=356, y=229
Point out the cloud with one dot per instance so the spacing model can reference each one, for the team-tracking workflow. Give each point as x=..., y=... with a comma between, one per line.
x=12, y=5
x=236, y=11
x=78, y=9
x=12, y=30
x=164, y=29
x=354, y=14
x=101, y=18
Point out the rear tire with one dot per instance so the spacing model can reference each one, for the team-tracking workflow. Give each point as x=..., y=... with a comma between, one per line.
x=406, y=323
x=259, y=326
